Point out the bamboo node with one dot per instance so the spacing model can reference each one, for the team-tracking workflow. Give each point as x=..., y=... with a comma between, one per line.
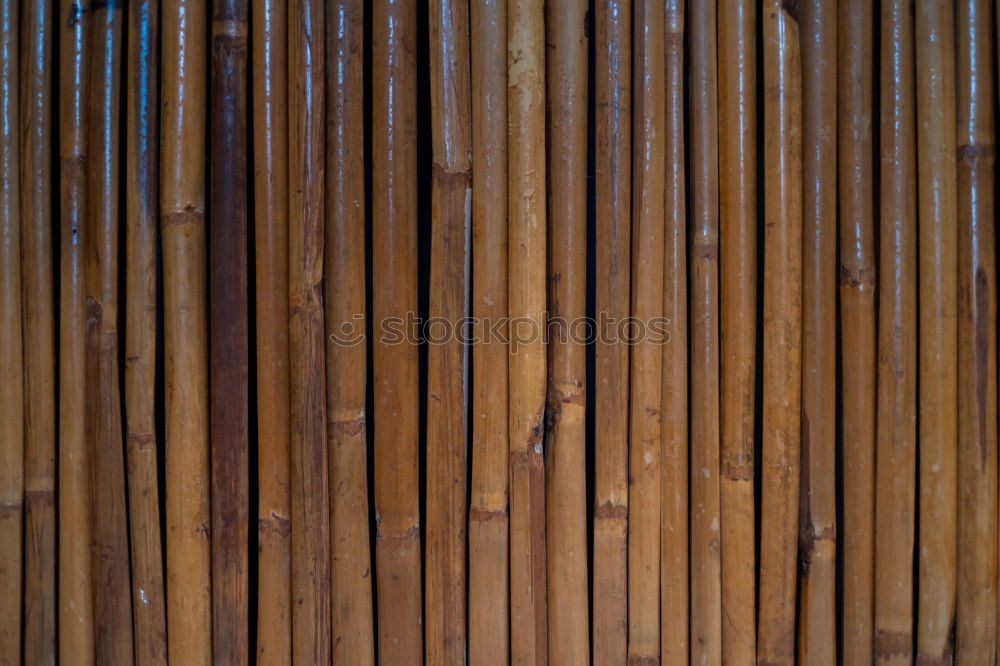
x=892, y=644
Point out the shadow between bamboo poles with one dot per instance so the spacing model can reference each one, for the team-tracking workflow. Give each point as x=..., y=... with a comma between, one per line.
x=310, y=471
x=977, y=316
x=228, y=342
x=674, y=595
x=351, y=604
x=75, y=582
x=855, y=25
x=182, y=205
x=112, y=602
x=447, y=364
x=566, y=484
x=817, y=635
x=394, y=208
x=270, y=156
x=706, y=572
x=11, y=359
x=526, y=293
x=738, y=274
x=895, y=472
x=39, y=335
x=935, y=66
x=489, y=601
x=613, y=164
x=648, y=124
x=782, y=333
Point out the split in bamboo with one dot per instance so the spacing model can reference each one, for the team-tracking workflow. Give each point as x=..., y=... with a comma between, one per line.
x=782, y=333
x=182, y=205
x=270, y=155
x=347, y=375
x=938, y=330
x=613, y=163
x=976, y=621
x=855, y=27
x=489, y=601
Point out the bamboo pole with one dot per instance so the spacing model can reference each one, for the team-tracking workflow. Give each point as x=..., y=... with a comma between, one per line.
x=526, y=293
x=674, y=595
x=39, y=335
x=346, y=357
x=76, y=617
x=394, y=208
x=782, y=333
x=738, y=271
x=855, y=26
x=307, y=368
x=270, y=150
x=11, y=360
x=566, y=483
x=182, y=205
x=817, y=643
x=141, y=202
x=706, y=572
x=112, y=602
x=938, y=404
x=613, y=162
x=977, y=356
x=228, y=342
x=895, y=474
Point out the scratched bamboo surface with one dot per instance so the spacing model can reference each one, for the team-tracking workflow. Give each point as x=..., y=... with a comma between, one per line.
x=498, y=331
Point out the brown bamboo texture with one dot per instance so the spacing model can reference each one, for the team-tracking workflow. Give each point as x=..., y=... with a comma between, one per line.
x=938, y=404
x=976, y=624
x=182, y=228
x=112, y=591
x=39, y=334
x=674, y=595
x=613, y=246
x=705, y=436
x=270, y=151
x=75, y=582
x=782, y=333
x=394, y=211
x=11, y=359
x=346, y=358
x=855, y=117
x=817, y=640
x=738, y=275
x=565, y=464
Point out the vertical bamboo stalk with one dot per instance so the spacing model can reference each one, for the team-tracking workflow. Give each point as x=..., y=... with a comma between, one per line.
x=977, y=356
x=39, y=335
x=346, y=358
x=228, y=353
x=855, y=25
x=11, y=360
x=394, y=208
x=566, y=483
x=270, y=151
x=112, y=603
x=613, y=163
x=489, y=601
x=817, y=642
x=141, y=202
x=182, y=205
x=76, y=618
x=526, y=293
x=782, y=333
x=938, y=330
x=895, y=474
x=674, y=595
x=307, y=368
x=738, y=270
x=706, y=571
